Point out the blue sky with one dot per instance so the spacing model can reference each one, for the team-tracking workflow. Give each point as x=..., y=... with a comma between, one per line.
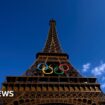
x=24, y=27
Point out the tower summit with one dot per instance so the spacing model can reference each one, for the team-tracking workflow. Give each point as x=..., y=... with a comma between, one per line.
x=52, y=44
x=52, y=80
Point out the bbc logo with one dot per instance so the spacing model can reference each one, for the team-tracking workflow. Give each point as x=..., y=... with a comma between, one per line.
x=6, y=93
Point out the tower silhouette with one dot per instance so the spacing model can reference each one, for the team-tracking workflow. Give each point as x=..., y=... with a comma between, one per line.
x=52, y=80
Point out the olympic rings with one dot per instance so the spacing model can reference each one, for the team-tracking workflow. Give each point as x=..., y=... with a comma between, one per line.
x=50, y=69
x=63, y=66
x=41, y=66
x=59, y=71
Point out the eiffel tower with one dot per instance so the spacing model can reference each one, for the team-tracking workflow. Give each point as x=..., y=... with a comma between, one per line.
x=52, y=80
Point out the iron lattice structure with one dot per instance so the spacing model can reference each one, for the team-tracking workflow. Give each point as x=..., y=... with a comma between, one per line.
x=44, y=87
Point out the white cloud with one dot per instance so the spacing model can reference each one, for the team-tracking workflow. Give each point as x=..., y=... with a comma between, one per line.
x=103, y=78
x=99, y=70
x=103, y=85
x=86, y=67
